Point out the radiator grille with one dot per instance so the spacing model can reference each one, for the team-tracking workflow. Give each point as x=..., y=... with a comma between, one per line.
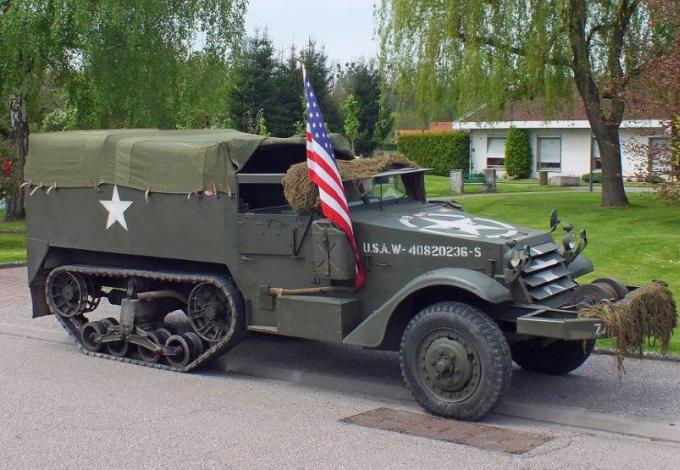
x=546, y=274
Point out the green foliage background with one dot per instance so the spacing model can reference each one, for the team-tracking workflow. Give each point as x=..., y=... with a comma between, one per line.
x=518, y=156
x=441, y=151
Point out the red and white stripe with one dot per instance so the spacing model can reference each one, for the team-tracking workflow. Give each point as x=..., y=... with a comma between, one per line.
x=324, y=173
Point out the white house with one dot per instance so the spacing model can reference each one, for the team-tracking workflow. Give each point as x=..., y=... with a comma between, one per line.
x=562, y=145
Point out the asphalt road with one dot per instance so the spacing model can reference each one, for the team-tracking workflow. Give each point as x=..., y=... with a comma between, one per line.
x=62, y=409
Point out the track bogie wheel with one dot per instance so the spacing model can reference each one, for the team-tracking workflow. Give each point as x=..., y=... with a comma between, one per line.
x=163, y=334
x=118, y=348
x=196, y=343
x=184, y=355
x=67, y=294
x=89, y=334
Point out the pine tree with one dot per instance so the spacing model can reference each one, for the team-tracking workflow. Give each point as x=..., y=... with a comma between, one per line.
x=518, y=156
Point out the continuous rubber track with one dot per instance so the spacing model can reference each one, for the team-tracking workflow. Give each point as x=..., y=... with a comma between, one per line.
x=72, y=325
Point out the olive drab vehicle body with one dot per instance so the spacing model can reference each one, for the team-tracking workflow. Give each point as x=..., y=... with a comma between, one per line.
x=197, y=222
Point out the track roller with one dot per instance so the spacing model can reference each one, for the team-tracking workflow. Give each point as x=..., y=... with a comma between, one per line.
x=118, y=348
x=185, y=350
x=90, y=335
x=196, y=343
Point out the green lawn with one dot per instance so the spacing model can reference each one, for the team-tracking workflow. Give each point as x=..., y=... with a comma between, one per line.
x=635, y=244
x=12, y=240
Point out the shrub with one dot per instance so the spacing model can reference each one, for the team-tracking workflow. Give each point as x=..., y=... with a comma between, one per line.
x=597, y=177
x=441, y=151
x=518, y=157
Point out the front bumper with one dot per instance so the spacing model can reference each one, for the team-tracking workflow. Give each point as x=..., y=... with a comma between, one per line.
x=560, y=324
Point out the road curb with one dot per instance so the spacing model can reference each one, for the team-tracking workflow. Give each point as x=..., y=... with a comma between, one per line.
x=18, y=264
x=652, y=356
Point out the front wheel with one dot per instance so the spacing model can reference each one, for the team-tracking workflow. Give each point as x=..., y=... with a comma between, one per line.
x=455, y=360
x=555, y=358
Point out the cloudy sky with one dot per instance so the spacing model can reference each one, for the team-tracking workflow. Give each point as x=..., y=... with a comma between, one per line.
x=345, y=27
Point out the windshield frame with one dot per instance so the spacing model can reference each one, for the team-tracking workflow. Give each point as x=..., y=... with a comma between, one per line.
x=412, y=179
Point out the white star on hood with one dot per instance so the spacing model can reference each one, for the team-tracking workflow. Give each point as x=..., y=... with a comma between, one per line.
x=116, y=209
x=465, y=225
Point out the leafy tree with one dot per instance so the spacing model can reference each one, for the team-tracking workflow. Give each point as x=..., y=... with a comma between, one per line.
x=118, y=61
x=351, y=126
x=518, y=157
x=485, y=53
x=658, y=88
x=203, y=85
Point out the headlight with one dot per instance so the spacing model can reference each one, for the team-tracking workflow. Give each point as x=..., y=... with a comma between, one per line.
x=569, y=242
x=515, y=258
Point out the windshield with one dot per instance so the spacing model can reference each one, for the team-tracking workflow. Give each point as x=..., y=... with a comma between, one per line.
x=376, y=189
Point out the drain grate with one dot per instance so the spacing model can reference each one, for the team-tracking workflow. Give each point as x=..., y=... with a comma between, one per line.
x=481, y=436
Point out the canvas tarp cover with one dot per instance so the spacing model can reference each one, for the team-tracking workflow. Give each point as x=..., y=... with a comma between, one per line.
x=179, y=161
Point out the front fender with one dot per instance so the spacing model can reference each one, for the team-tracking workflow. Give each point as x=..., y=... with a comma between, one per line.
x=580, y=266
x=370, y=332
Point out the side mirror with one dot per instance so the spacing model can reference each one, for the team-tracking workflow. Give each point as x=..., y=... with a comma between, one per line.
x=554, y=220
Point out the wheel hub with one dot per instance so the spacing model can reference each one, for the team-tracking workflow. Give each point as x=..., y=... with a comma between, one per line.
x=67, y=292
x=447, y=364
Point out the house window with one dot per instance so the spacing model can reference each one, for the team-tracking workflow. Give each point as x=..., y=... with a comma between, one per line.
x=495, y=152
x=549, y=153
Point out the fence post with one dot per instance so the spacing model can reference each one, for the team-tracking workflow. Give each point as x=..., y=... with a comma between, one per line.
x=489, y=180
x=456, y=181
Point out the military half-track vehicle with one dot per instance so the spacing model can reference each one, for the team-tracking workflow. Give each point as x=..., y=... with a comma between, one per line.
x=162, y=222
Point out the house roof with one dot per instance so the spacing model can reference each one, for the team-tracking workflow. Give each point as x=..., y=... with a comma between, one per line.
x=570, y=113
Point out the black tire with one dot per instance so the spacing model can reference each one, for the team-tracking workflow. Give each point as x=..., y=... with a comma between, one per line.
x=556, y=358
x=465, y=388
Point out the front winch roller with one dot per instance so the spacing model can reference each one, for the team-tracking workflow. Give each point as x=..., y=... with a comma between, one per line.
x=141, y=336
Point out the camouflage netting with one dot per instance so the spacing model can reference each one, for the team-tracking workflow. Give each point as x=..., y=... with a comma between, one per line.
x=645, y=316
x=303, y=195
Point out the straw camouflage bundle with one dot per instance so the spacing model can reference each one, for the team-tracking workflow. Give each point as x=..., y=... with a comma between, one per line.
x=645, y=316
x=303, y=195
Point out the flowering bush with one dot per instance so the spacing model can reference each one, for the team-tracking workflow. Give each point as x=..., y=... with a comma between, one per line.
x=8, y=185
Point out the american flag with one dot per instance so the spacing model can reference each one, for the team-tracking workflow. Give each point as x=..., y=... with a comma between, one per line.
x=323, y=172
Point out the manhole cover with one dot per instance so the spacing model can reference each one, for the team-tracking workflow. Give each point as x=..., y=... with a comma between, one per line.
x=481, y=436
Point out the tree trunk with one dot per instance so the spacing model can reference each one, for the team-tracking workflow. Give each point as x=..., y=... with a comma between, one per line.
x=613, y=191
x=15, y=199
x=605, y=125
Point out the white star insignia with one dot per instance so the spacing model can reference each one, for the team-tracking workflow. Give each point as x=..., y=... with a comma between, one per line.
x=116, y=209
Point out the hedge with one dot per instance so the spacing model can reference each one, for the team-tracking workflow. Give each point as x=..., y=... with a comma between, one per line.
x=518, y=157
x=441, y=151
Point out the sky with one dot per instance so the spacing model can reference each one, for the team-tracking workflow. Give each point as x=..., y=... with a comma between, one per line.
x=344, y=27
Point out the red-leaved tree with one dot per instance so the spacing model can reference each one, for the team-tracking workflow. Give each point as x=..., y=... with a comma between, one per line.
x=658, y=87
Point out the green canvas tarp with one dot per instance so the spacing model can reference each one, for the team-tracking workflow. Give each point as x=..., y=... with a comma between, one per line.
x=178, y=161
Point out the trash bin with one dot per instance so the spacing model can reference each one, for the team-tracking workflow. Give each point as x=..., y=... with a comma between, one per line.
x=543, y=178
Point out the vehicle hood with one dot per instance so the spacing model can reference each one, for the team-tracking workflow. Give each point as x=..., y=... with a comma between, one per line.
x=428, y=219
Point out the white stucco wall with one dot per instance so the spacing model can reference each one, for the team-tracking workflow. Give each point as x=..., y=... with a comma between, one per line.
x=576, y=143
